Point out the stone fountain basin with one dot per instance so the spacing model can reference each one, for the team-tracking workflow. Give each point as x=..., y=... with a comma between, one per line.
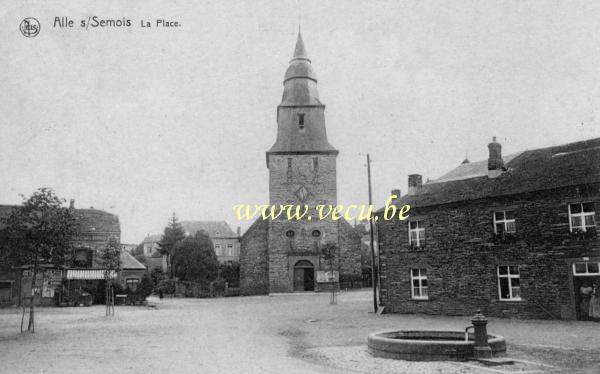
x=428, y=345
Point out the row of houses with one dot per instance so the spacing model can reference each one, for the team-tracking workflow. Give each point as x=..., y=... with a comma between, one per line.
x=83, y=273
x=226, y=242
x=512, y=235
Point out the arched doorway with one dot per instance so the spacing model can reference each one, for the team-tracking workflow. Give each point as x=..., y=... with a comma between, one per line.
x=304, y=276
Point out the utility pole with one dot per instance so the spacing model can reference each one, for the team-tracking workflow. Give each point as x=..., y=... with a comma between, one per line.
x=372, y=246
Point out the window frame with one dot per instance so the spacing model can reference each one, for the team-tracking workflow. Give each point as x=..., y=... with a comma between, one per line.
x=504, y=221
x=419, y=277
x=509, y=277
x=218, y=250
x=587, y=269
x=301, y=120
x=132, y=281
x=418, y=230
x=581, y=215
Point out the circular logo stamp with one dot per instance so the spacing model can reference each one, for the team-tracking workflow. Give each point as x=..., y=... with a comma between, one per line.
x=30, y=27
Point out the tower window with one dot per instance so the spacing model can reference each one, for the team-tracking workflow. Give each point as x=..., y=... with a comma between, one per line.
x=301, y=120
x=289, y=169
x=315, y=164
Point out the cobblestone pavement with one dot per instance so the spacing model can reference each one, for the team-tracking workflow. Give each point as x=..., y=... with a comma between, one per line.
x=279, y=334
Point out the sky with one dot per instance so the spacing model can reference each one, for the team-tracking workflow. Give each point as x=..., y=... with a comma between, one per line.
x=146, y=122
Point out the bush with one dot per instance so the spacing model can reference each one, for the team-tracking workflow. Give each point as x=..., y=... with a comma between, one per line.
x=231, y=273
x=145, y=287
x=157, y=275
x=167, y=286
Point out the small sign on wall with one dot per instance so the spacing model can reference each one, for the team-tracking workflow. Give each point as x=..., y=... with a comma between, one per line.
x=328, y=276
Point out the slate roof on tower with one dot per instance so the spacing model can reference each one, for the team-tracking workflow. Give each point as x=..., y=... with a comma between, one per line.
x=301, y=97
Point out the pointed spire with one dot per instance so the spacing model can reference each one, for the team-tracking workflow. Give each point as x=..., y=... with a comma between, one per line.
x=300, y=51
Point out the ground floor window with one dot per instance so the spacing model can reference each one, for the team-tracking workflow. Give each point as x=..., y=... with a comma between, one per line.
x=586, y=268
x=5, y=291
x=132, y=283
x=418, y=280
x=509, y=282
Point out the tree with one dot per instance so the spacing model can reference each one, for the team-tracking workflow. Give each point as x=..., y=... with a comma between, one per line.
x=145, y=287
x=231, y=273
x=138, y=250
x=40, y=232
x=111, y=262
x=194, y=259
x=172, y=234
x=328, y=251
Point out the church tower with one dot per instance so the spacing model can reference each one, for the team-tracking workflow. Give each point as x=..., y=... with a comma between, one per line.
x=302, y=171
x=283, y=255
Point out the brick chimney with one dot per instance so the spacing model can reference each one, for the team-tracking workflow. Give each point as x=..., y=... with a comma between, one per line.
x=415, y=181
x=239, y=231
x=495, y=162
x=72, y=204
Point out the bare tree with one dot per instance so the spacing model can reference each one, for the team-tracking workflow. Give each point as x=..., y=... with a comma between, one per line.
x=111, y=262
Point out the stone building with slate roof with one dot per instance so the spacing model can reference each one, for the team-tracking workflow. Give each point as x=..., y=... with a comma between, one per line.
x=514, y=236
x=225, y=241
x=282, y=255
x=95, y=228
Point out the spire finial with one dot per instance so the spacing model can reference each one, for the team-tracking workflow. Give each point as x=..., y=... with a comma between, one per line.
x=300, y=50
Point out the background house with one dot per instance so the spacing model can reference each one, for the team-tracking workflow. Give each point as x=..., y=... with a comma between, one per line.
x=225, y=240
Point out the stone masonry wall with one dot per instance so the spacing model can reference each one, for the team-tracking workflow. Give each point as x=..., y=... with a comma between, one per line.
x=301, y=184
x=350, y=249
x=254, y=260
x=461, y=256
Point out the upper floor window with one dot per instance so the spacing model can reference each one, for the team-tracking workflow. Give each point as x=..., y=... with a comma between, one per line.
x=504, y=222
x=301, y=121
x=416, y=233
x=509, y=282
x=218, y=250
x=289, y=168
x=581, y=216
x=229, y=249
x=418, y=280
x=83, y=258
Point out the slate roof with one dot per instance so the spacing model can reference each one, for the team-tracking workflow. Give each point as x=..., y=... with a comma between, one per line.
x=90, y=220
x=534, y=170
x=129, y=262
x=300, y=94
x=95, y=220
x=214, y=229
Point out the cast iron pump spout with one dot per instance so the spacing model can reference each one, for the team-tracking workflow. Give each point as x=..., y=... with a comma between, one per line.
x=467, y=332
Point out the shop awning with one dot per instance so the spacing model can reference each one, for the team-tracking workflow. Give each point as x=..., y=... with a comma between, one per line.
x=91, y=274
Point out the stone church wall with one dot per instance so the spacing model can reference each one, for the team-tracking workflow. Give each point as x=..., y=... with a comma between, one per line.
x=254, y=260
